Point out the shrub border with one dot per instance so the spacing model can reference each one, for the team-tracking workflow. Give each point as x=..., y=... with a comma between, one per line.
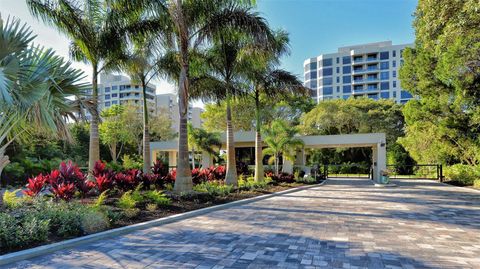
x=46, y=249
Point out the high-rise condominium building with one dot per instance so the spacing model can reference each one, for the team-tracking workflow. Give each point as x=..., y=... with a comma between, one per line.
x=168, y=103
x=367, y=70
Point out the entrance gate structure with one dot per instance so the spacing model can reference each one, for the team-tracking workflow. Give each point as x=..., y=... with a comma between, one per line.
x=375, y=141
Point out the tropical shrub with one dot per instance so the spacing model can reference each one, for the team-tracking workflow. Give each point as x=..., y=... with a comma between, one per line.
x=131, y=163
x=63, y=191
x=462, y=174
x=36, y=185
x=476, y=183
x=21, y=230
x=249, y=183
x=214, y=188
x=127, y=203
x=281, y=178
x=93, y=222
x=157, y=197
x=103, y=182
x=306, y=180
x=11, y=200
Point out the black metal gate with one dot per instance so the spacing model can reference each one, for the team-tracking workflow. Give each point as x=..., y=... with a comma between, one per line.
x=417, y=171
x=347, y=170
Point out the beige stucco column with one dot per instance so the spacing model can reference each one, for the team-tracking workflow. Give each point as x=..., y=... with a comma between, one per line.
x=207, y=160
x=172, y=158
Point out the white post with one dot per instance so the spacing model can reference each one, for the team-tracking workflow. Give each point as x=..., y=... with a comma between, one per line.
x=375, y=171
x=381, y=158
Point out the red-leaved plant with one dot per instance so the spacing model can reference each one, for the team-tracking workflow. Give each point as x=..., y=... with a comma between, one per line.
x=70, y=173
x=64, y=191
x=103, y=182
x=35, y=185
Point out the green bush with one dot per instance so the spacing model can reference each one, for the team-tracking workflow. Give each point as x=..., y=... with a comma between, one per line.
x=306, y=180
x=214, y=188
x=127, y=203
x=11, y=200
x=157, y=197
x=65, y=218
x=250, y=184
x=476, y=183
x=462, y=174
x=93, y=222
x=131, y=163
x=21, y=230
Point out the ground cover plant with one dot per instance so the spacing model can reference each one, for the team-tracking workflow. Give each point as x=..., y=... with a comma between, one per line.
x=66, y=202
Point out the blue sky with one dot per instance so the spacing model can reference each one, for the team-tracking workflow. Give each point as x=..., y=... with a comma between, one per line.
x=315, y=26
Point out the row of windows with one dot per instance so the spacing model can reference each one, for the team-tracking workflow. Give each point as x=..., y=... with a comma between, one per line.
x=384, y=55
x=348, y=69
x=127, y=87
x=385, y=95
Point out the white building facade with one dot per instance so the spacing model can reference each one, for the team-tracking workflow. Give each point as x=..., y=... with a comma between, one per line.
x=366, y=70
x=168, y=103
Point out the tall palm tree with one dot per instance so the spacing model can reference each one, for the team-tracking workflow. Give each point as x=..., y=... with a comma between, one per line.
x=96, y=38
x=140, y=62
x=281, y=141
x=34, y=86
x=193, y=24
x=272, y=84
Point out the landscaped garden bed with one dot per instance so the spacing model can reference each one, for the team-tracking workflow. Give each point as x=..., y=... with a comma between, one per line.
x=66, y=203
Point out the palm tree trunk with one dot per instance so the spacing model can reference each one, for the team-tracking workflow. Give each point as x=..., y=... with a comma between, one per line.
x=147, y=162
x=113, y=152
x=259, y=171
x=231, y=175
x=94, y=143
x=4, y=160
x=184, y=175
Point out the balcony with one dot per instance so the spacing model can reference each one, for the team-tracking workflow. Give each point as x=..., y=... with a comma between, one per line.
x=365, y=70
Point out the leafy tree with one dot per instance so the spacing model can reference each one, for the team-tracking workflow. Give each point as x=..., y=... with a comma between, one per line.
x=96, y=38
x=34, y=86
x=214, y=116
x=443, y=70
x=113, y=132
x=281, y=141
x=332, y=117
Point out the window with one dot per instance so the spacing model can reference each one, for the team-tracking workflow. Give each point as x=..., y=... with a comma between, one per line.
x=122, y=88
x=384, y=65
x=338, y=79
x=338, y=88
x=346, y=97
x=385, y=95
x=327, y=81
x=338, y=60
x=394, y=94
x=373, y=96
x=107, y=104
x=313, y=93
x=372, y=87
x=401, y=53
x=347, y=69
x=107, y=89
x=327, y=71
x=128, y=87
x=394, y=84
x=114, y=94
x=327, y=62
x=394, y=53
x=384, y=86
x=114, y=102
x=394, y=73
x=384, y=55
x=347, y=79
x=358, y=87
x=338, y=69
x=137, y=87
x=313, y=84
x=394, y=63
x=313, y=65
x=327, y=90
x=313, y=74
x=107, y=96
x=405, y=95
x=384, y=75
x=347, y=89
x=346, y=60
x=114, y=88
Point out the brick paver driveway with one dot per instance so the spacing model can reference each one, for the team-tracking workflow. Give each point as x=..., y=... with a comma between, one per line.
x=346, y=223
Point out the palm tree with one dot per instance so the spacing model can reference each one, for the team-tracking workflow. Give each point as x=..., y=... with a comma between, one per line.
x=193, y=24
x=198, y=138
x=281, y=141
x=273, y=84
x=34, y=86
x=140, y=62
x=96, y=38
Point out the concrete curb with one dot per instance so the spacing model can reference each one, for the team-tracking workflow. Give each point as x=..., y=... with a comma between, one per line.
x=41, y=250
